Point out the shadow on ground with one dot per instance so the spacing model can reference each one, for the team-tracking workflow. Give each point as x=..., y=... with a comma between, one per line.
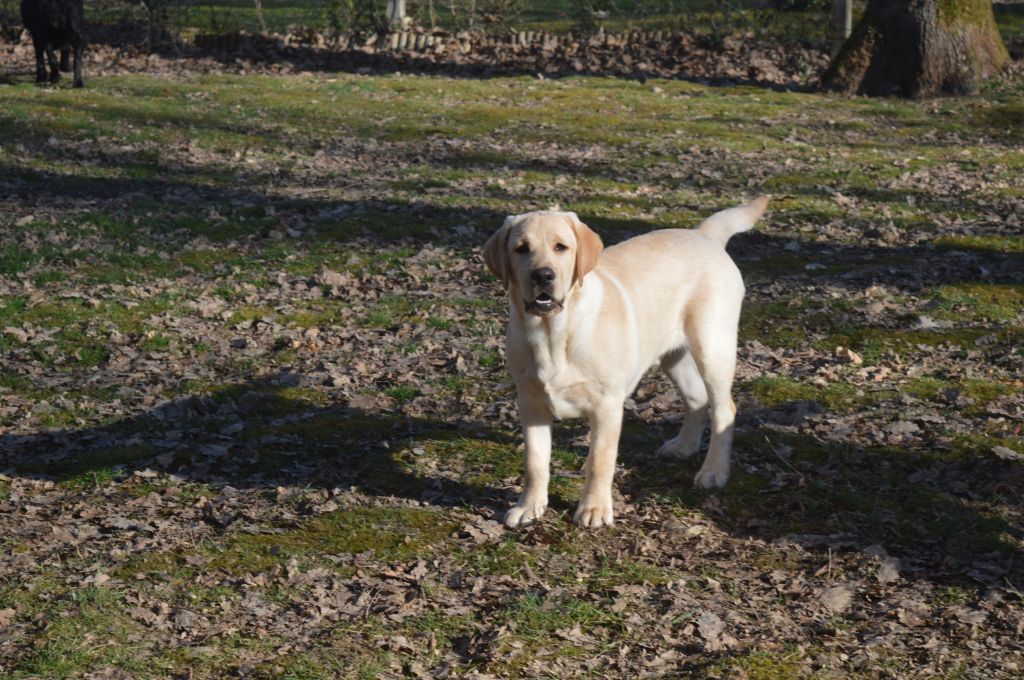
x=255, y=435
x=171, y=204
x=952, y=519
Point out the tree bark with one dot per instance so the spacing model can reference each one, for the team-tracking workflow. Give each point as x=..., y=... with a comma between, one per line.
x=840, y=25
x=919, y=48
x=396, y=12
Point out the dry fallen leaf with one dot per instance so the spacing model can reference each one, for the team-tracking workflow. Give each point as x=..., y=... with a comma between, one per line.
x=1007, y=453
x=7, y=617
x=838, y=598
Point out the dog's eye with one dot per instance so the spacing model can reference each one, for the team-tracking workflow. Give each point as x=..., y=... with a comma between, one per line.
x=559, y=247
x=523, y=248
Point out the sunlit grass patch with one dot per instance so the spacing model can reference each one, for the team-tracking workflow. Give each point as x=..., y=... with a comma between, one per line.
x=532, y=616
x=999, y=244
x=390, y=533
x=616, y=571
x=873, y=342
x=762, y=665
x=506, y=557
x=533, y=619
x=483, y=459
x=777, y=390
x=402, y=393
x=981, y=301
x=976, y=391
x=89, y=628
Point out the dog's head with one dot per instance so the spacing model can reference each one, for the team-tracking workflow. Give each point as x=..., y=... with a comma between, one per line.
x=540, y=256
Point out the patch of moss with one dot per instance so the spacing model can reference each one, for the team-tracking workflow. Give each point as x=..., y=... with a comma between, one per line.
x=776, y=390
x=977, y=301
x=624, y=570
x=959, y=13
x=402, y=393
x=873, y=342
x=506, y=557
x=978, y=390
x=391, y=533
x=760, y=665
x=775, y=324
x=985, y=244
x=532, y=617
x=483, y=459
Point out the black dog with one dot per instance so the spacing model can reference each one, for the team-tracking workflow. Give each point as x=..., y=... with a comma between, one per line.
x=55, y=24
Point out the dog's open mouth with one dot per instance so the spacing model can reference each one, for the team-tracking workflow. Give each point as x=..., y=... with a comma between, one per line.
x=543, y=305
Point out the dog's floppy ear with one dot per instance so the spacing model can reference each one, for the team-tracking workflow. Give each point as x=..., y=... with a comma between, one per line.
x=588, y=247
x=496, y=253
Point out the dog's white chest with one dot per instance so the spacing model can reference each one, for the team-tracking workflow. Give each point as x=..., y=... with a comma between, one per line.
x=563, y=405
x=570, y=399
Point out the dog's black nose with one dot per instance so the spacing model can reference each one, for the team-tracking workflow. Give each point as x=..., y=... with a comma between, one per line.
x=542, y=276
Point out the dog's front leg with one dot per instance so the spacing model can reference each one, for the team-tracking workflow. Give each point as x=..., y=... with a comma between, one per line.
x=595, y=508
x=533, y=501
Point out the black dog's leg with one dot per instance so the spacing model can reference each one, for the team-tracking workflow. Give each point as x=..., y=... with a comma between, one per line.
x=79, y=48
x=40, y=66
x=65, y=59
x=52, y=59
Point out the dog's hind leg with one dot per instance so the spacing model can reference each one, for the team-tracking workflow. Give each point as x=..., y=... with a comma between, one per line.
x=51, y=59
x=681, y=369
x=40, y=48
x=714, y=351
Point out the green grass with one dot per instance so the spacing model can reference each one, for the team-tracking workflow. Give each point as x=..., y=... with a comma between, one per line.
x=761, y=665
x=1004, y=244
x=774, y=391
x=213, y=187
x=391, y=533
x=982, y=301
x=89, y=629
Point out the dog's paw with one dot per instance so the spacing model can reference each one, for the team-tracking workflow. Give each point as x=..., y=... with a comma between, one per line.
x=678, y=448
x=521, y=514
x=711, y=476
x=594, y=512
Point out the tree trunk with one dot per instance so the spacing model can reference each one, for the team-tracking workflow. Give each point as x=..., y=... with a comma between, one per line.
x=396, y=12
x=919, y=48
x=840, y=25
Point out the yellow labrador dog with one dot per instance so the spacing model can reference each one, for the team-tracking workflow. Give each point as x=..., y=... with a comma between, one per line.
x=585, y=324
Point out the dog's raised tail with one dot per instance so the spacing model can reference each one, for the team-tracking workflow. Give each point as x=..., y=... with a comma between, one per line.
x=722, y=225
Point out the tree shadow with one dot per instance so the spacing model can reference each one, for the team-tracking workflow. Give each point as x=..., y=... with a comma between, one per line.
x=953, y=516
x=173, y=202
x=262, y=435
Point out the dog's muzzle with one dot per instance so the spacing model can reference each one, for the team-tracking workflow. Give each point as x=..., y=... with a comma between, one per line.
x=544, y=305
